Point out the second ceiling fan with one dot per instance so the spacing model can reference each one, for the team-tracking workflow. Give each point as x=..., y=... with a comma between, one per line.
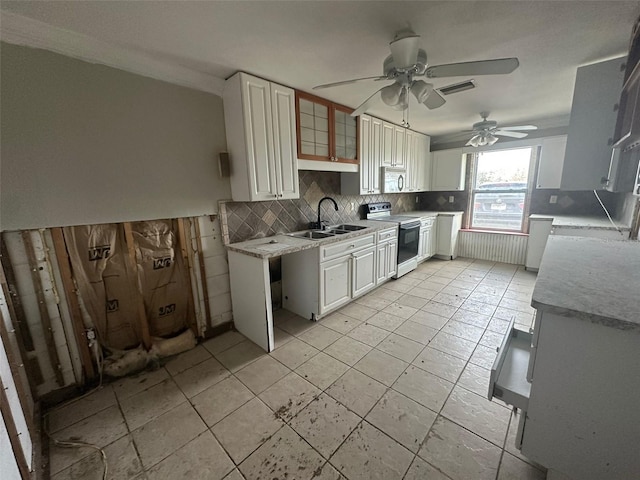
x=486, y=132
x=407, y=63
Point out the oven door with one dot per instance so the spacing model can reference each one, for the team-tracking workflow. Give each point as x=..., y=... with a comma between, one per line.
x=408, y=239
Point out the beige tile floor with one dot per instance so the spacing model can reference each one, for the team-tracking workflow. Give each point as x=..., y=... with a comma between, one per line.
x=391, y=386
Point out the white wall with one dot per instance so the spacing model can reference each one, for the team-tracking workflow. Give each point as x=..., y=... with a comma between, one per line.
x=85, y=144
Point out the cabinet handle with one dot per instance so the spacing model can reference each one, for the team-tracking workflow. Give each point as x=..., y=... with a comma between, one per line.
x=351, y=246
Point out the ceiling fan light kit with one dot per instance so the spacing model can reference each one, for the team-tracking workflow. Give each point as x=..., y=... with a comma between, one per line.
x=486, y=132
x=407, y=61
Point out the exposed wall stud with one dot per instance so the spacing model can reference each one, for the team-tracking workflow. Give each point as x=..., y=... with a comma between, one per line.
x=42, y=307
x=10, y=287
x=191, y=311
x=71, y=294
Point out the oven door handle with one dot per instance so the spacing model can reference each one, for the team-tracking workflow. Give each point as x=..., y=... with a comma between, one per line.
x=410, y=226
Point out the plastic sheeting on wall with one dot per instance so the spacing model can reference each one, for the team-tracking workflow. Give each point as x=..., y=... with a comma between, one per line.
x=161, y=277
x=111, y=290
x=105, y=283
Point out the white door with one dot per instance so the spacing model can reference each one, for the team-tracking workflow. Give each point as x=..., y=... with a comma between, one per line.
x=283, y=105
x=399, y=154
x=427, y=242
x=382, y=264
x=410, y=163
x=432, y=240
x=365, y=155
x=375, y=154
x=364, y=271
x=443, y=235
x=335, y=283
x=392, y=258
x=423, y=157
x=258, y=124
x=387, y=144
x=422, y=245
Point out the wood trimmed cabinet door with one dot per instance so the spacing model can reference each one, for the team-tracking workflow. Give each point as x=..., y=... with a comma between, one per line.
x=326, y=131
x=261, y=139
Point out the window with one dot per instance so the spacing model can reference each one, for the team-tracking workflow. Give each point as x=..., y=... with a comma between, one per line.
x=500, y=189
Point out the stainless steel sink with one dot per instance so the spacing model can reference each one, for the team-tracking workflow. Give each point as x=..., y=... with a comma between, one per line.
x=312, y=235
x=336, y=231
x=349, y=228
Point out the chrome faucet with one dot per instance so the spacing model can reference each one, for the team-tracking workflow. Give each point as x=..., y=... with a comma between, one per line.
x=319, y=224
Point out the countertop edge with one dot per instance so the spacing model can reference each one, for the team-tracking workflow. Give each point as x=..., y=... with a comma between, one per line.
x=592, y=317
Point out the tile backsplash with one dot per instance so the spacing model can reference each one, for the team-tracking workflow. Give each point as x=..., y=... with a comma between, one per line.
x=248, y=220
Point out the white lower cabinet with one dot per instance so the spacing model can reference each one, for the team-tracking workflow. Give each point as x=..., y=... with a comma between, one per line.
x=363, y=270
x=427, y=242
x=447, y=229
x=335, y=283
x=387, y=255
x=317, y=281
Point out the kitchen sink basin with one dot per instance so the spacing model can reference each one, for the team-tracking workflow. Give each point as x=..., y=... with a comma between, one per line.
x=312, y=235
x=337, y=231
x=349, y=228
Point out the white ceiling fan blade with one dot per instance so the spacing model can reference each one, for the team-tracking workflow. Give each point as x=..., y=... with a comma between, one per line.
x=506, y=133
x=520, y=127
x=485, y=67
x=364, y=106
x=347, y=82
x=434, y=100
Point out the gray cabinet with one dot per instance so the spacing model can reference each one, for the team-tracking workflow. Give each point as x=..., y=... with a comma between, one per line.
x=552, y=153
x=448, y=168
x=591, y=125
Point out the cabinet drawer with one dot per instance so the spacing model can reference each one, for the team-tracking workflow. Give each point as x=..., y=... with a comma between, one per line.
x=385, y=235
x=508, y=380
x=348, y=246
x=427, y=222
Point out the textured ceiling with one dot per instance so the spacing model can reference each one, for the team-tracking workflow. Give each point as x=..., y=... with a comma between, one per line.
x=306, y=43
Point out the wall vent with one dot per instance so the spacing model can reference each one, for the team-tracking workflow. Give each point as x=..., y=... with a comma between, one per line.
x=458, y=87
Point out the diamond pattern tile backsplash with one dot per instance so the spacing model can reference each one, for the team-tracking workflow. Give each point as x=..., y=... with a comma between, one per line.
x=248, y=220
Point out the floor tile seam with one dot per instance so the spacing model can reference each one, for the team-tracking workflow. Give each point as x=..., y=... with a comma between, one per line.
x=130, y=434
x=396, y=357
x=145, y=469
x=363, y=420
x=320, y=349
x=226, y=348
x=71, y=402
x=504, y=445
x=193, y=365
x=464, y=428
x=237, y=465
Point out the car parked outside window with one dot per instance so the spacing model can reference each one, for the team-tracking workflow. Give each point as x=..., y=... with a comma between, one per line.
x=500, y=205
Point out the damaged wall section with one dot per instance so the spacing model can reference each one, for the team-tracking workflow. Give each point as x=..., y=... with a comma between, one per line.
x=173, y=279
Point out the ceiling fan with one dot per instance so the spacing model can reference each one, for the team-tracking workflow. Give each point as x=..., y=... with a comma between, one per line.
x=487, y=132
x=407, y=62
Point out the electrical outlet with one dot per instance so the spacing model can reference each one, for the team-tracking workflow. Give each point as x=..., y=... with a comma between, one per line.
x=417, y=199
x=553, y=199
x=352, y=205
x=451, y=199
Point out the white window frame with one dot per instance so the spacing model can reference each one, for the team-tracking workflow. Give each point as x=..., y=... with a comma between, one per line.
x=528, y=190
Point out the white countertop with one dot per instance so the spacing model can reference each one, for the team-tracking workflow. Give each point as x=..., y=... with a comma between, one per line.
x=590, y=278
x=284, y=244
x=580, y=221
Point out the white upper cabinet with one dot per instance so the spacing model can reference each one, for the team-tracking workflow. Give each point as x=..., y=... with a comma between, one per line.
x=411, y=164
x=448, y=170
x=399, y=154
x=552, y=154
x=260, y=123
x=423, y=161
x=591, y=125
x=367, y=181
x=388, y=146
